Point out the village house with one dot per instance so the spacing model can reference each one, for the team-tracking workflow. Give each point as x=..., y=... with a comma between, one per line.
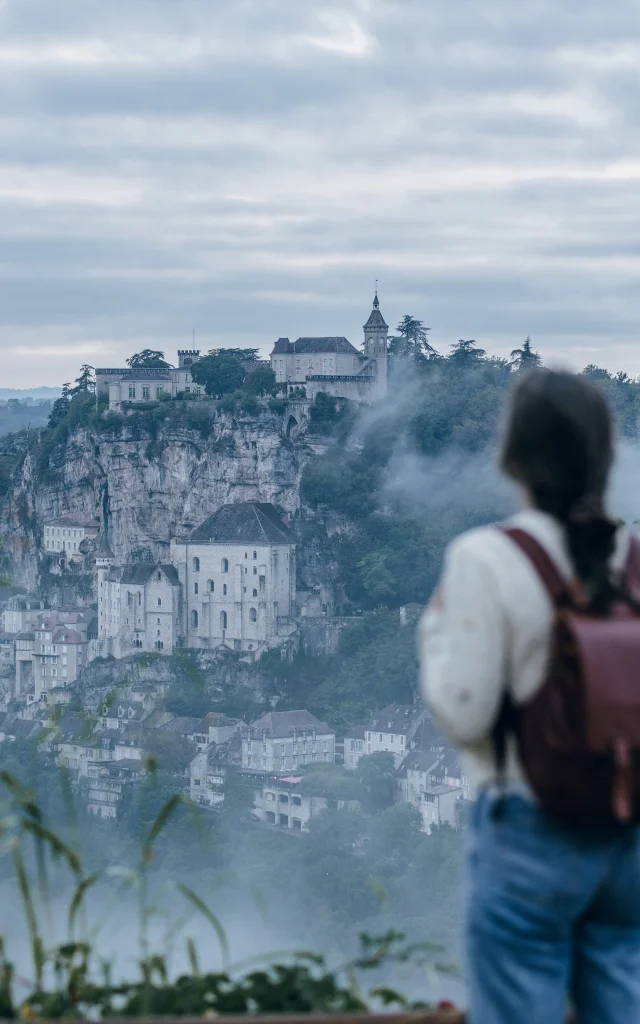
x=20, y=613
x=127, y=386
x=390, y=730
x=107, y=784
x=59, y=655
x=238, y=575
x=208, y=770
x=284, y=740
x=421, y=780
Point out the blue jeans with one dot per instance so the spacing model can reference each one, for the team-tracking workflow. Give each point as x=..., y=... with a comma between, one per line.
x=553, y=916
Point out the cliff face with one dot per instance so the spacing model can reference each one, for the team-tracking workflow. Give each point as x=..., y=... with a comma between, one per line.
x=148, y=485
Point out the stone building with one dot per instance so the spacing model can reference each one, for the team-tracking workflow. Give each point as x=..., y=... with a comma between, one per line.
x=20, y=612
x=333, y=365
x=238, y=575
x=64, y=536
x=59, y=655
x=124, y=385
x=139, y=606
x=285, y=740
x=391, y=730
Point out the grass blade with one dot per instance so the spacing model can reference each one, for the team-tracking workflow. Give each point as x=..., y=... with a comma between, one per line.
x=200, y=905
x=37, y=948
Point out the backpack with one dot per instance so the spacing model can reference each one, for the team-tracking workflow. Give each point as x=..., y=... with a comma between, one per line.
x=578, y=737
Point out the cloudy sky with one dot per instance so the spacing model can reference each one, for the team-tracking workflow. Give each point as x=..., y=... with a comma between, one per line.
x=247, y=168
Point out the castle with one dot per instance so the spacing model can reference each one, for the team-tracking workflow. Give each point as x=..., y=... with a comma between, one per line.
x=230, y=585
x=302, y=367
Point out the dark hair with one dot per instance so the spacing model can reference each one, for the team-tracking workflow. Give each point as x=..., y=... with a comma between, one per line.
x=558, y=443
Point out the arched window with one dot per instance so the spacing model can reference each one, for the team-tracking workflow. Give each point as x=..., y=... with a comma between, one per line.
x=255, y=554
x=195, y=588
x=159, y=576
x=210, y=586
x=157, y=622
x=225, y=565
x=253, y=615
x=255, y=592
x=223, y=620
x=129, y=599
x=159, y=602
x=255, y=570
x=196, y=565
x=194, y=619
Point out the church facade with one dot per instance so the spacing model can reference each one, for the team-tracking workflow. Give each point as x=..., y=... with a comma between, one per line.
x=230, y=585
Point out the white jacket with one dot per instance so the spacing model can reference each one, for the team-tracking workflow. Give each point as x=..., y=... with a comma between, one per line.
x=489, y=629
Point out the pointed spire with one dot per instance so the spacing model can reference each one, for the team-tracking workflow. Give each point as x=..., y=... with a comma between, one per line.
x=376, y=304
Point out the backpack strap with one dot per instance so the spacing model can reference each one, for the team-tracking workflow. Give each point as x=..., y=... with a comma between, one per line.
x=552, y=579
x=559, y=593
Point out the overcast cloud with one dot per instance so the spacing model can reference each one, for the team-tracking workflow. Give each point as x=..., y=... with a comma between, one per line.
x=247, y=168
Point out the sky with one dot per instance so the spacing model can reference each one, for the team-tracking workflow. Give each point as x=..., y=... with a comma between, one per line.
x=246, y=169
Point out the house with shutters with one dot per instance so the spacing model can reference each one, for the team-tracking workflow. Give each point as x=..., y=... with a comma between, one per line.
x=281, y=741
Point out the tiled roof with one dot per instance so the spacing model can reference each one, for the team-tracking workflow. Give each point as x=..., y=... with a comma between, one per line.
x=397, y=718
x=376, y=319
x=216, y=718
x=277, y=724
x=357, y=733
x=245, y=522
x=137, y=573
x=183, y=725
x=313, y=346
x=127, y=373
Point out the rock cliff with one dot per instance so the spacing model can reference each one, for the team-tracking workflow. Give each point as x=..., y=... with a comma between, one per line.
x=149, y=481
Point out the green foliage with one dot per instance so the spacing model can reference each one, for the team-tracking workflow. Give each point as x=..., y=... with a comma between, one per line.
x=377, y=774
x=525, y=358
x=219, y=374
x=261, y=381
x=412, y=341
x=329, y=415
x=147, y=359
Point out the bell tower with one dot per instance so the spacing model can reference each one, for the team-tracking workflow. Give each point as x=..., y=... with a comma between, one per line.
x=375, y=346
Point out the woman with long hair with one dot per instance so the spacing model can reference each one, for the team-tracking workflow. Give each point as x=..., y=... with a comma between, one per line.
x=553, y=906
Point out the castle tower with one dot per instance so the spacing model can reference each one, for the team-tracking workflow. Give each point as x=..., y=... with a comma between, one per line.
x=375, y=345
x=105, y=559
x=187, y=356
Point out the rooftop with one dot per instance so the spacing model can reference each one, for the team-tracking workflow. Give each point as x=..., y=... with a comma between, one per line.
x=376, y=319
x=245, y=522
x=398, y=718
x=138, y=573
x=277, y=724
x=313, y=346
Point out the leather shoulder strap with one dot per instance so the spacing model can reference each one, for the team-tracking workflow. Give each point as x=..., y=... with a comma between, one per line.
x=551, y=577
x=632, y=568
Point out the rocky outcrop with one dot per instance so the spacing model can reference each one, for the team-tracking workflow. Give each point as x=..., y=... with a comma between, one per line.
x=150, y=482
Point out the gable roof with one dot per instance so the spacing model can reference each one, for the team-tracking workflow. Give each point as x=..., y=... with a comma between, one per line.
x=138, y=573
x=313, y=346
x=245, y=522
x=398, y=718
x=277, y=724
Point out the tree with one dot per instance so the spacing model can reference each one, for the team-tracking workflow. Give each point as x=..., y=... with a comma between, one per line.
x=60, y=408
x=261, y=381
x=85, y=382
x=525, y=358
x=466, y=352
x=148, y=359
x=245, y=355
x=376, y=578
x=412, y=341
x=596, y=372
x=377, y=772
x=396, y=833
x=219, y=374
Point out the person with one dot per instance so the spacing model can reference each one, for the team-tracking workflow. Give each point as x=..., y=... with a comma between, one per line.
x=553, y=907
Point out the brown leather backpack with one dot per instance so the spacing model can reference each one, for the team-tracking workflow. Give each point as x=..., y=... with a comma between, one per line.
x=578, y=737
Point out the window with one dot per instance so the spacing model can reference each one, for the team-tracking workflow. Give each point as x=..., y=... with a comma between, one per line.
x=159, y=602
x=284, y=799
x=157, y=622
x=253, y=615
x=225, y=565
x=196, y=565
x=195, y=588
x=210, y=586
x=145, y=394
x=255, y=592
x=297, y=824
x=129, y=599
x=159, y=576
x=159, y=390
x=255, y=554
x=223, y=620
x=224, y=588
x=255, y=570
x=139, y=598
x=296, y=801
x=132, y=391
x=270, y=796
x=194, y=619
x=246, y=555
